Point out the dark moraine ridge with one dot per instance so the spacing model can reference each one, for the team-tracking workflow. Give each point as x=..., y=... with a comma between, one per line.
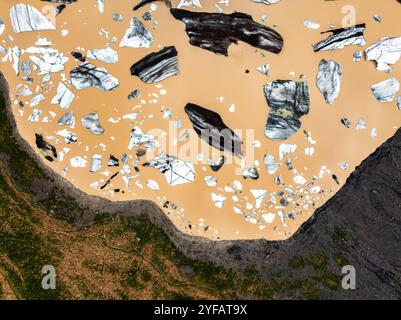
x=360, y=226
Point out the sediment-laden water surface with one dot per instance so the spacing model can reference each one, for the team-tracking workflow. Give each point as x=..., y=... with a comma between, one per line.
x=238, y=118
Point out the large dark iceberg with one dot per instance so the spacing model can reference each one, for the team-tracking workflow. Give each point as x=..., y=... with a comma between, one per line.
x=210, y=127
x=217, y=31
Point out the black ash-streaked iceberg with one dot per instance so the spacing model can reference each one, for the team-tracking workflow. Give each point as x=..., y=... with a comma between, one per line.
x=157, y=66
x=47, y=150
x=342, y=37
x=210, y=127
x=217, y=31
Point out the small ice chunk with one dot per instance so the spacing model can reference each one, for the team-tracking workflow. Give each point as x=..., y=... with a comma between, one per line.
x=92, y=123
x=361, y=124
x=134, y=94
x=285, y=149
x=299, y=180
x=67, y=119
x=152, y=184
x=2, y=26
x=175, y=170
x=107, y=55
x=309, y=151
x=113, y=161
x=264, y=69
x=268, y=217
x=386, y=90
x=100, y=5
x=250, y=173
x=211, y=181
x=218, y=200
x=189, y=3
x=216, y=165
x=357, y=56
x=34, y=116
x=377, y=18
x=63, y=97
x=138, y=138
x=346, y=123
x=259, y=195
x=95, y=185
x=311, y=24
x=96, y=163
x=137, y=36
x=64, y=32
x=78, y=162
x=68, y=136
x=43, y=42
x=271, y=164
x=23, y=90
x=117, y=17
x=37, y=99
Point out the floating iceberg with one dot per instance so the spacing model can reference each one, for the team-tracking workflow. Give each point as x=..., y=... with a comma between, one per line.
x=176, y=171
x=86, y=75
x=92, y=123
x=26, y=18
x=137, y=36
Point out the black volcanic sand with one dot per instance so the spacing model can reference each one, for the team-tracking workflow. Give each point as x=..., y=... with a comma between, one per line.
x=359, y=226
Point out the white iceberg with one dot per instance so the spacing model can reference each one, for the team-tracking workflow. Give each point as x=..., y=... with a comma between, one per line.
x=26, y=18
x=176, y=171
x=63, y=97
x=86, y=75
x=137, y=36
x=107, y=55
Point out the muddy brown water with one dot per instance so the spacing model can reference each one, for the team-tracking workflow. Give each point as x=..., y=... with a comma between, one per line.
x=206, y=79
